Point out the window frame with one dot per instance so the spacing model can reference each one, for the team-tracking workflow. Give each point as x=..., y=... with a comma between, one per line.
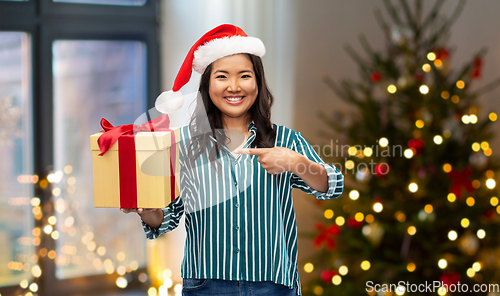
x=46, y=21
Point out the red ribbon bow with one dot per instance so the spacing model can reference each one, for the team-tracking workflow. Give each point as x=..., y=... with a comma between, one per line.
x=326, y=236
x=112, y=133
x=460, y=179
x=124, y=134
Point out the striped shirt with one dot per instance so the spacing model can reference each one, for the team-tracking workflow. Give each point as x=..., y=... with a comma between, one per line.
x=240, y=221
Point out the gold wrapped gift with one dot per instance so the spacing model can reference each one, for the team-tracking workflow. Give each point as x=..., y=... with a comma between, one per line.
x=144, y=181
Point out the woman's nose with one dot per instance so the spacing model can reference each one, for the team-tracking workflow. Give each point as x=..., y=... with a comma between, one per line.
x=233, y=86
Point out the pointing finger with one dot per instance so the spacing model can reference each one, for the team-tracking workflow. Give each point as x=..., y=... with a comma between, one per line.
x=251, y=151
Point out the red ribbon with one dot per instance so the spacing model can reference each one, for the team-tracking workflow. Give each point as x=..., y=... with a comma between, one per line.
x=326, y=236
x=460, y=179
x=124, y=134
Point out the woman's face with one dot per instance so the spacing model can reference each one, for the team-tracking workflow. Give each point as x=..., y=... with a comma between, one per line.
x=233, y=86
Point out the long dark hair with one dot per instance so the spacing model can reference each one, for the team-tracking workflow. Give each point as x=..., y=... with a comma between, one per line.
x=260, y=113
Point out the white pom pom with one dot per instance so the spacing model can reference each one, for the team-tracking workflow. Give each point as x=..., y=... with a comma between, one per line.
x=169, y=101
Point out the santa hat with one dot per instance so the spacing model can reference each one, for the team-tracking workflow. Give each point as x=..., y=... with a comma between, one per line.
x=222, y=41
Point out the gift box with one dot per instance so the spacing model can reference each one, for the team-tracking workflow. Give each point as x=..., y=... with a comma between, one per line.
x=136, y=166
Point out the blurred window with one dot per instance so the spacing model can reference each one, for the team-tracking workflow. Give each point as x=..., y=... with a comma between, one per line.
x=17, y=233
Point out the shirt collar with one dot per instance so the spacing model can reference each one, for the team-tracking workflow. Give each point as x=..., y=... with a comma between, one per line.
x=251, y=127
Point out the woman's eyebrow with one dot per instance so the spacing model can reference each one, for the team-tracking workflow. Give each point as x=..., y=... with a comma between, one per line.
x=226, y=72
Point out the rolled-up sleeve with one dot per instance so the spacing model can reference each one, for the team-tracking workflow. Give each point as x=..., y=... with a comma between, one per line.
x=171, y=216
x=335, y=177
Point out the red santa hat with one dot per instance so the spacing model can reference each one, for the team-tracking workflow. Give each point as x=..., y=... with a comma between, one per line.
x=222, y=41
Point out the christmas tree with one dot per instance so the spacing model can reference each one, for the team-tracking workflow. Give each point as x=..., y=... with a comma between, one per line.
x=420, y=203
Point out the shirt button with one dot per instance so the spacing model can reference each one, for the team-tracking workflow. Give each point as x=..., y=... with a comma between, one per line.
x=237, y=250
x=237, y=228
x=237, y=205
x=235, y=183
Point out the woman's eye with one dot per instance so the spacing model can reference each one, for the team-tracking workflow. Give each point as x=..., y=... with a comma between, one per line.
x=246, y=76
x=221, y=76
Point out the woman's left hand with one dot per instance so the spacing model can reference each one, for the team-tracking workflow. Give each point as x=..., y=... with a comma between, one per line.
x=277, y=159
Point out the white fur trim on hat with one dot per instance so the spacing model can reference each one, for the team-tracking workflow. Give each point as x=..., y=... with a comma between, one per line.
x=223, y=47
x=169, y=102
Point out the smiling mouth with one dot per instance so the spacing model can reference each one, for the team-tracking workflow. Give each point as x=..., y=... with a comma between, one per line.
x=234, y=99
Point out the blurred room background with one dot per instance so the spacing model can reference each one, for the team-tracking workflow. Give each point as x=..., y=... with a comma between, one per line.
x=65, y=64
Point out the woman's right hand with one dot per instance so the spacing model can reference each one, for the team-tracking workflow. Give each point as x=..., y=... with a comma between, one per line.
x=152, y=217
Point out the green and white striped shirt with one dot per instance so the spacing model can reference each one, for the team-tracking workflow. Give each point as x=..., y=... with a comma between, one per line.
x=241, y=223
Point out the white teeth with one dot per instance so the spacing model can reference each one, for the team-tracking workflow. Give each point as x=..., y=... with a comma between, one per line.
x=234, y=99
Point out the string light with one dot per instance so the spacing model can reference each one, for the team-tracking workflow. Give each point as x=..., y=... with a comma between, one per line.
x=438, y=63
x=328, y=214
x=494, y=201
x=24, y=284
x=493, y=116
x=476, y=266
x=465, y=222
x=431, y=56
x=460, y=84
x=445, y=95
x=476, y=184
x=33, y=287
x=411, y=267
x=318, y=290
x=481, y=233
x=336, y=280
x=343, y=270
x=359, y=217
x=378, y=207
x=412, y=230
x=408, y=153
x=383, y=142
x=471, y=273
x=424, y=89
x=476, y=147
x=441, y=291
x=47, y=229
x=465, y=119
x=340, y=220
x=426, y=67
x=152, y=291
x=121, y=282
x=400, y=216
x=413, y=187
x=428, y=209
x=442, y=263
x=349, y=164
x=392, y=89
x=447, y=167
x=473, y=119
x=365, y=265
x=455, y=99
x=490, y=183
x=452, y=235
x=419, y=123
x=308, y=267
x=438, y=140
x=354, y=194
x=369, y=218
x=367, y=151
x=470, y=201
x=352, y=150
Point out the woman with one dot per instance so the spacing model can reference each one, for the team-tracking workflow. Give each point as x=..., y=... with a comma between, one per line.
x=240, y=220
